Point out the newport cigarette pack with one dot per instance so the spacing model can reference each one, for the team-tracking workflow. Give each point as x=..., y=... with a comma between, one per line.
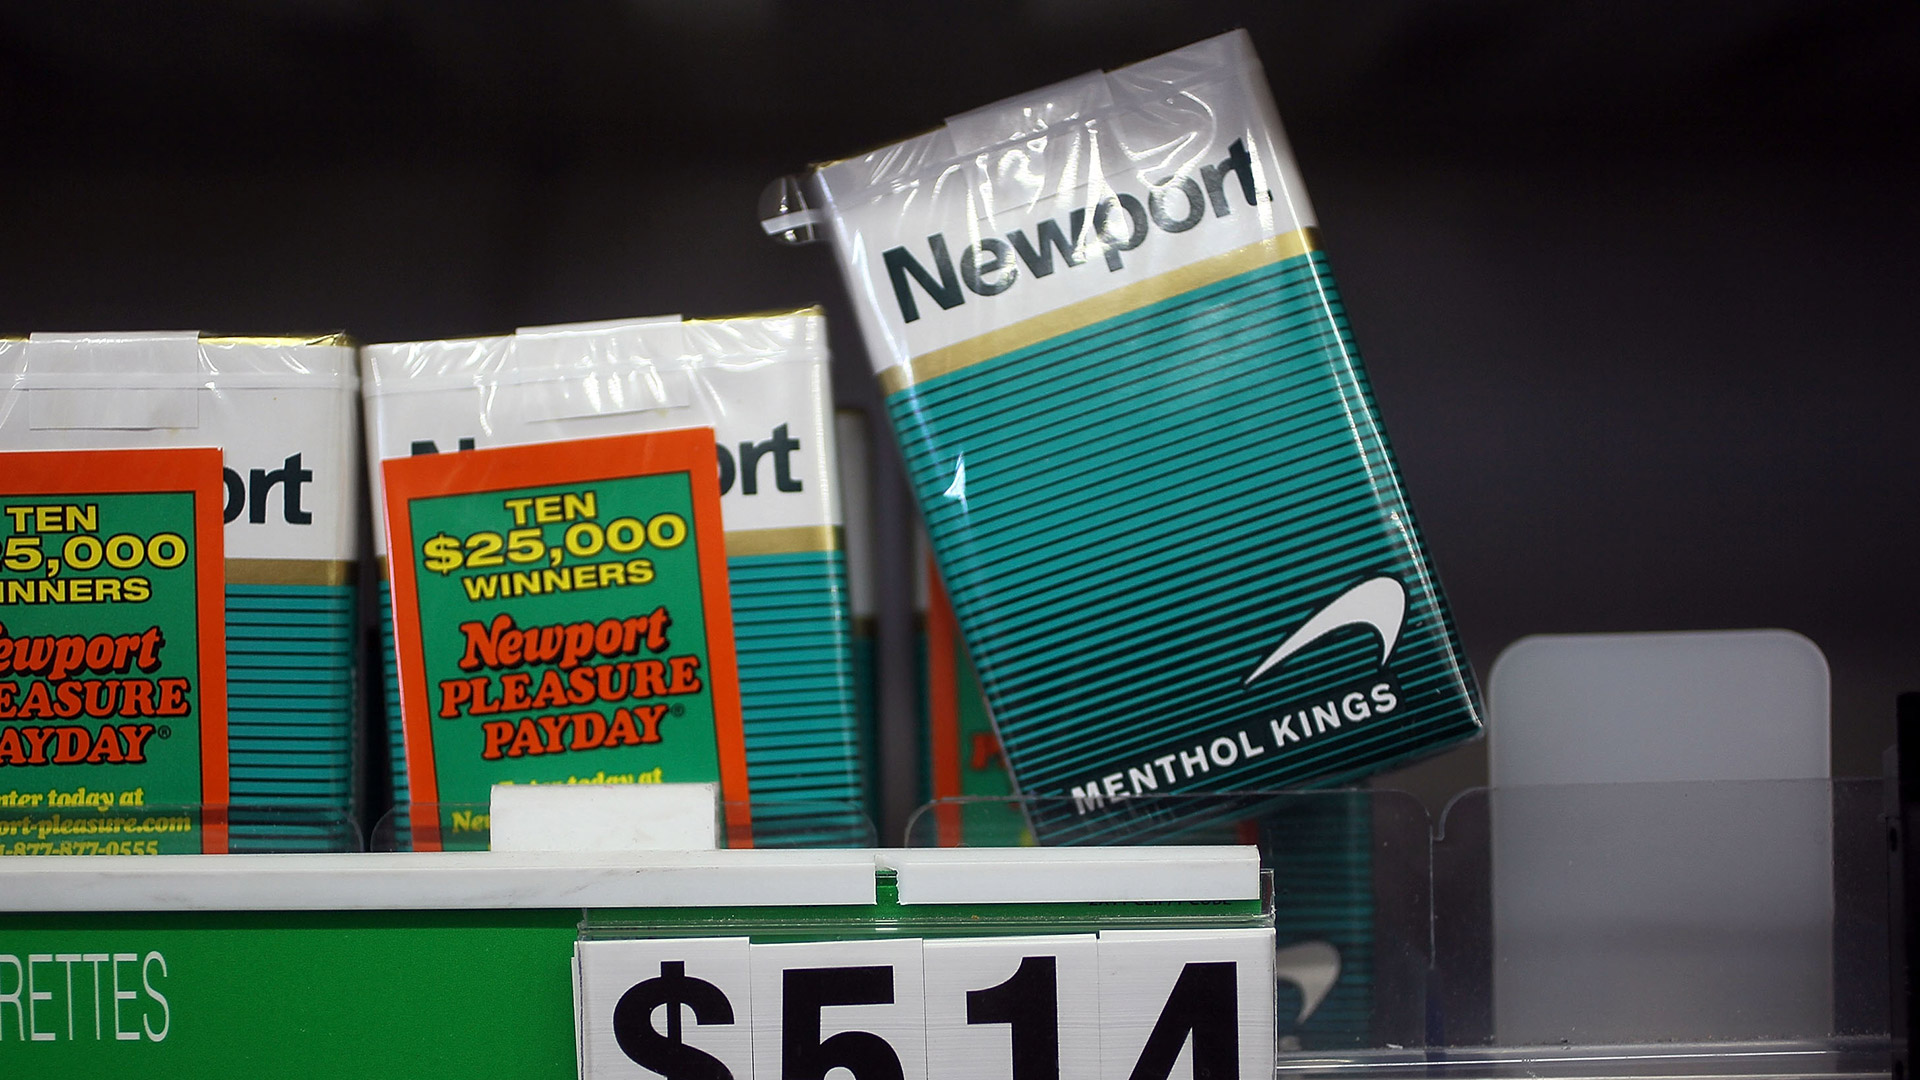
x=112, y=660
x=1141, y=437
x=282, y=411
x=760, y=383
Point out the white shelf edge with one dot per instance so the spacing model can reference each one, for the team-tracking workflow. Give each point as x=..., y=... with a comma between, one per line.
x=437, y=881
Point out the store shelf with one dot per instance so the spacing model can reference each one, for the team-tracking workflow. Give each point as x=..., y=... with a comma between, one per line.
x=1703, y=960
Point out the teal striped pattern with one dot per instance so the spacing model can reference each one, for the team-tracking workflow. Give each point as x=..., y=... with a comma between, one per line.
x=291, y=716
x=1148, y=505
x=793, y=636
x=396, y=734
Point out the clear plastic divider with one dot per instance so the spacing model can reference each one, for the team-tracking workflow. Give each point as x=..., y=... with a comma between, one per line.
x=1727, y=928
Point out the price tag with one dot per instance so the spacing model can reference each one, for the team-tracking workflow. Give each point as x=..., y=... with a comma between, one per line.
x=1019, y=1008
x=1178, y=1004
x=678, y=1009
x=1149, y=1005
x=852, y=1005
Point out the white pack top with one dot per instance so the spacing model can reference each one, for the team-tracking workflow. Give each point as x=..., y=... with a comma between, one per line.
x=1049, y=198
x=760, y=382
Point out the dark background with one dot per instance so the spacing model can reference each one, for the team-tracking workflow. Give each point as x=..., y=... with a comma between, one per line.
x=1635, y=280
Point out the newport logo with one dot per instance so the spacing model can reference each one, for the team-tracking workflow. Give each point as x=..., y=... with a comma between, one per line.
x=1117, y=224
x=249, y=494
x=780, y=447
x=1380, y=603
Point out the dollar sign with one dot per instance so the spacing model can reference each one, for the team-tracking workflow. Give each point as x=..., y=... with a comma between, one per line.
x=665, y=1053
x=442, y=553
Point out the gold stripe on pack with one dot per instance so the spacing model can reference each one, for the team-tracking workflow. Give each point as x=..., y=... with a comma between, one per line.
x=783, y=541
x=291, y=571
x=331, y=340
x=1052, y=324
x=776, y=313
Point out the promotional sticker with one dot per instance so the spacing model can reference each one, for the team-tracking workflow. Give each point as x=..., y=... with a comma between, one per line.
x=113, y=711
x=561, y=617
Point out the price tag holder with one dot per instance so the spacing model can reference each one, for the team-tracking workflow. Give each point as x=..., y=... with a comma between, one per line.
x=1148, y=1005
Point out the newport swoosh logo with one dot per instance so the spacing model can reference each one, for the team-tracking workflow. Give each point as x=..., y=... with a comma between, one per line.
x=1380, y=603
x=1313, y=966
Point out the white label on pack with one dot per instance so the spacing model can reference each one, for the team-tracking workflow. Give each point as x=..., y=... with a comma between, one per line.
x=283, y=415
x=760, y=383
x=1172, y=161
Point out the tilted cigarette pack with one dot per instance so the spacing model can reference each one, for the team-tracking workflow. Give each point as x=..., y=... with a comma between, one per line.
x=1144, y=445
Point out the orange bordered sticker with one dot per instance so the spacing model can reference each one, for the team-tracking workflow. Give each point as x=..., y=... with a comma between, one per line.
x=113, y=666
x=561, y=616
